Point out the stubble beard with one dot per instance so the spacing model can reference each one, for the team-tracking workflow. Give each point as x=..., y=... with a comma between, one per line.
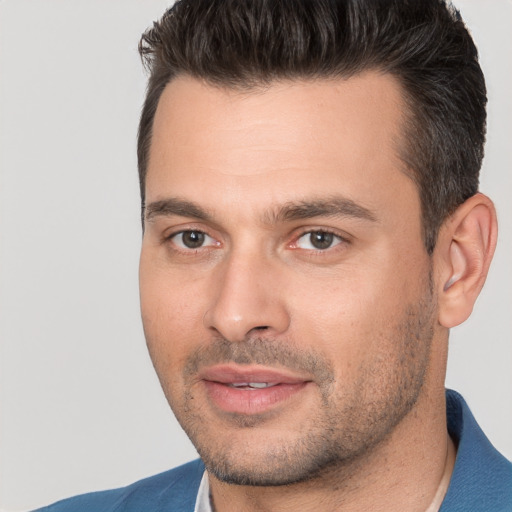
x=345, y=429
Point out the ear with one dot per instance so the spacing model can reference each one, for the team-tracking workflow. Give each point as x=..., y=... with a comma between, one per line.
x=463, y=254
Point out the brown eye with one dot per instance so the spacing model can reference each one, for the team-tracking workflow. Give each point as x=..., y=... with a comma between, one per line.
x=318, y=240
x=191, y=239
x=321, y=240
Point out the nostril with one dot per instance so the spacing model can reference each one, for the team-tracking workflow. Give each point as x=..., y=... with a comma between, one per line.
x=260, y=328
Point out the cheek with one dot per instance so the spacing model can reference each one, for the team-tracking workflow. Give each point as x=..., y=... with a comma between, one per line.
x=172, y=313
x=169, y=298
x=354, y=313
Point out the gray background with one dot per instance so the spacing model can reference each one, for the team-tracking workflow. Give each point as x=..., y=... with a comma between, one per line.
x=80, y=406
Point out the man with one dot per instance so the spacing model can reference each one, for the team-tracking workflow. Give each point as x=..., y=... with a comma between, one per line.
x=312, y=230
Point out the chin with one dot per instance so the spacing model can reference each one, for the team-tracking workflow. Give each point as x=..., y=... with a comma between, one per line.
x=273, y=474
x=269, y=459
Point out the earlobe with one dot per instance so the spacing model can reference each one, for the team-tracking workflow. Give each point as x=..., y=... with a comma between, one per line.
x=465, y=249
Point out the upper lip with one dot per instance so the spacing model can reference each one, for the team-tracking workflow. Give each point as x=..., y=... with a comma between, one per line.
x=229, y=374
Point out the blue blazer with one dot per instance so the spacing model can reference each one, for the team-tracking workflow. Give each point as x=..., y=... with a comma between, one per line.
x=481, y=479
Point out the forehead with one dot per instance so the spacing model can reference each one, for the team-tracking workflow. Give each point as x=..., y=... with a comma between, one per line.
x=280, y=143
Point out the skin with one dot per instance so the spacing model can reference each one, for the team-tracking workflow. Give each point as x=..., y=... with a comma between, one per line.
x=360, y=326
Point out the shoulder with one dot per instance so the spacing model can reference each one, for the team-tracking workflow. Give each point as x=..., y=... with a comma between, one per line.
x=174, y=490
x=482, y=477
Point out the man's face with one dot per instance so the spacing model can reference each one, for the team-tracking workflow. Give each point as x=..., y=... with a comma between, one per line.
x=285, y=289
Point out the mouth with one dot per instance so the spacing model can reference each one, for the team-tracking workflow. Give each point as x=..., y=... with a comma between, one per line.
x=250, y=390
x=252, y=385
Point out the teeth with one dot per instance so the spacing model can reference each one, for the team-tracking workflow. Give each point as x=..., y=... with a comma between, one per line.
x=253, y=385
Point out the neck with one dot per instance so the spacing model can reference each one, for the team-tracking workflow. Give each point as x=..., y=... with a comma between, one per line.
x=412, y=468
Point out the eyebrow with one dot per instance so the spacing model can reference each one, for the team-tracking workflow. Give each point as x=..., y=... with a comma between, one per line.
x=331, y=207
x=174, y=206
x=294, y=210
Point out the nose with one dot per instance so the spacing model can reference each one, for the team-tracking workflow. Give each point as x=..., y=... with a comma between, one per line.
x=247, y=299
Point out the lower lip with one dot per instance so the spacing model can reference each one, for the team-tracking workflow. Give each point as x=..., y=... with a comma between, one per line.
x=250, y=401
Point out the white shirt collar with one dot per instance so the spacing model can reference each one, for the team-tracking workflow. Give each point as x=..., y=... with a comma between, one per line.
x=203, y=496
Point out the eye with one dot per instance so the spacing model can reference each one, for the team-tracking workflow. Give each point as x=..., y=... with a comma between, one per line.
x=318, y=240
x=192, y=239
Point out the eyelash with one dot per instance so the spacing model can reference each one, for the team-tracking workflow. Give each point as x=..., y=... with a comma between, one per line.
x=342, y=240
x=172, y=237
x=294, y=245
